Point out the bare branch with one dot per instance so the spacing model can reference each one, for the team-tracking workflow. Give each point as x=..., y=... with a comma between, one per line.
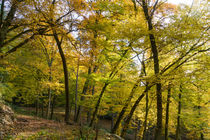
x=64, y=15
x=154, y=8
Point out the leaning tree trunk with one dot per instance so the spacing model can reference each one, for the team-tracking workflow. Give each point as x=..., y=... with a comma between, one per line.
x=111, y=76
x=65, y=70
x=127, y=121
x=120, y=116
x=85, y=88
x=179, y=113
x=167, y=111
x=97, y=104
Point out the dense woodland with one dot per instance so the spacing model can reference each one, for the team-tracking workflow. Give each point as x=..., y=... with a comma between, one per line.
x=142, y=64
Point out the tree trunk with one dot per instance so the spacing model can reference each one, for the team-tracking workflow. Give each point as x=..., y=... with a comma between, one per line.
x=111, y=76
x=167, y=111
x=127, y=121
x=97, y=104
x=84, y=91
x=138, y=127
x=7, y=22
x=65, y=70
x=2, y=12
x=76, y=92
x=70, y=108
x=113, y=116
x=93, y=92
x=89, y=111
x=89, y=116
x=42, y=110
x=120, y=117
x=37, y=106
x=179, y=113
x=202, y=136
x=156, y=70
x=112, y=121
x=52, y=107
x=49, y=93
x=146, y=115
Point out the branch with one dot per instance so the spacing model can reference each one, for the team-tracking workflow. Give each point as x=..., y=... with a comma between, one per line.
x=181, y=57
x=139, y=2
x=40, y=32
x=134, y=4
x=200, y=51
x=53, y=2
x=117, y=64
x=15, y=37
x=45, y=51
x=64, y=15
x=12, y=28
x=154, y=8
x=18, y=46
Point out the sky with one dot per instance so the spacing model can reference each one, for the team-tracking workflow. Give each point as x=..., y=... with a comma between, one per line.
x=189, y=2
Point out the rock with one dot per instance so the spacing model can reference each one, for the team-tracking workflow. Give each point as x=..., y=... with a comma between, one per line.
x=7, y=120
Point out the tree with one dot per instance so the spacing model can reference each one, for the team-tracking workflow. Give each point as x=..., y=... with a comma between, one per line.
x=167, y=111
x=12, y=27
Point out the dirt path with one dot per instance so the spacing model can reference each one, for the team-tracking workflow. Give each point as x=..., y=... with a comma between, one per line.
x=35, y=128
x=28, y=126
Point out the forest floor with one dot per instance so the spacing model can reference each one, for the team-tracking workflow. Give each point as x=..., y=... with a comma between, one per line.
x=30, y=127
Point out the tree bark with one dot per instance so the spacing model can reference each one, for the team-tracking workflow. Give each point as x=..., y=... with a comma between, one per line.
x=37, y=106
x=127, y=121
x=49, y=93
x=52, y=107
x=84, y=91
x=7, y=22
x=97, y=104
x=120, y=117
x=111, y=76
x=42, y=109
x=146, y=115
x=2, y=12
x=167, y=111
x=137, y=129
x=112, y=121
x=76, y=92
x=156, y=69
x=65, y=70
x=178, y=115
x=89, y=112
